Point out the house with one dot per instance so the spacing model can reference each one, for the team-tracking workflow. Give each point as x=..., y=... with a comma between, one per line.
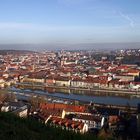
x=122, y=68
x=53, y=114
x=49, y=81
x=92, y=121
x=68, y=124
x=35, y=77
x=62, y=81
x=103, y=80
x=47, y=112
x=58, y=109
x=114, y=83
x=67, y=107
x=113, y=121
x=69, y=62
x=125, y=77
x=134, y=72
x=124, y=84
x=135, y=85
x=5, y=108
x=100, y=81
x=17, y=108
x=21, y=112
x=2, y=82
x=78, y=83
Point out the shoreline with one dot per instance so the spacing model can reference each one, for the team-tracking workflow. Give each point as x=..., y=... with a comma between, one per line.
x=96, y=104
x=101, y=90
x=97, y=90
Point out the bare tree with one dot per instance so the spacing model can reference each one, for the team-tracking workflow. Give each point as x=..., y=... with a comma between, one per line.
x=10, y=97
x=35, y=101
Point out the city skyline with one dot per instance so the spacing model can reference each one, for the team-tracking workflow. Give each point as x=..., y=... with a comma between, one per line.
x=69, y=22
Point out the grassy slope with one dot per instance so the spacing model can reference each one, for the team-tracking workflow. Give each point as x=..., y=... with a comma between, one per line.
x=15, y=128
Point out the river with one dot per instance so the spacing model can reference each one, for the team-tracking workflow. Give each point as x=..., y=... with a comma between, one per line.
x=83, y=96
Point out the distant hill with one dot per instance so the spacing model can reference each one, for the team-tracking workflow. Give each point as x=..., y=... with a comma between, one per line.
x=15, y=128
x=72, y=46
x=5, y=52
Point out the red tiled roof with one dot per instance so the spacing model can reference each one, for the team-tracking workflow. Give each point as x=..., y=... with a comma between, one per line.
x=122, y=67
x=44, y=114
x=67, y=123
x=135, y=83
x=133, y=71
x=113, y=119
x=60, y=78
x=114, y=81
x=88, y=117
x=63, y=106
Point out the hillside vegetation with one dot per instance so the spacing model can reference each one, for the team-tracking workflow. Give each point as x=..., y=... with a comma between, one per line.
x=15, y=128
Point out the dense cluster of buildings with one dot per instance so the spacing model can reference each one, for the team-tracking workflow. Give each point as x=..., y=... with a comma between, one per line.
x=81, y=69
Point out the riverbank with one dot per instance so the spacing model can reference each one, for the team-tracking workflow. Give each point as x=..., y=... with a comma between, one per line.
x=100, y=90
x=25, y=95
x=81, y=96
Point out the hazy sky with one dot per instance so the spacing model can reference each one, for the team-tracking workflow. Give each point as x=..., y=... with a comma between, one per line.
x=69, y=21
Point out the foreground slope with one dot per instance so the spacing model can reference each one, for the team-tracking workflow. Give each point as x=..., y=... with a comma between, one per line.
x=15, y=128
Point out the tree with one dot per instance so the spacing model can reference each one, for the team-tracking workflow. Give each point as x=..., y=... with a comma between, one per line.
x=10, y=97
x=2, y=98
x=35, y=101
x=128, y=110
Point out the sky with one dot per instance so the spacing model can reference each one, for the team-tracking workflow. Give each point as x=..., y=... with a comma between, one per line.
x=69, y=21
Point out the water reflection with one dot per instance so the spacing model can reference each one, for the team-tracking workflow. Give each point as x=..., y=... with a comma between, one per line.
x=87, y=96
